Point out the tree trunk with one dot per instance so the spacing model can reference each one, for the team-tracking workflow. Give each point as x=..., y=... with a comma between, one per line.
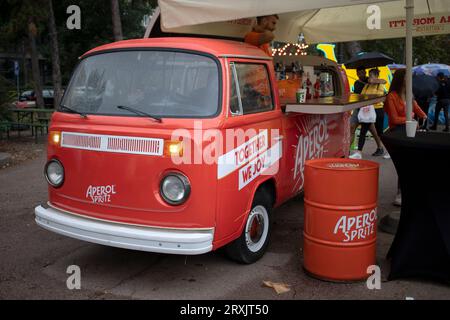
x=24, y=66
x=35, y=64
x=353, y=48
x=117, y=24
x=56, y=71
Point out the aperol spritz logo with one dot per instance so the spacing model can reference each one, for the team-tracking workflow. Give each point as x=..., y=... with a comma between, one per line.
x=356, y=228
x=311, y=144
x=100, y=194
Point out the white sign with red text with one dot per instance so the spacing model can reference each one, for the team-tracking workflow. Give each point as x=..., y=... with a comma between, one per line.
x=258, y=166
x=235, y=158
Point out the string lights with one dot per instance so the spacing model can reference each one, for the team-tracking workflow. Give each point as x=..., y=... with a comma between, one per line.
x=292, y=49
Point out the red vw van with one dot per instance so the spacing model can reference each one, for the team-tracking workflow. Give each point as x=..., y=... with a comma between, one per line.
x=182, y=146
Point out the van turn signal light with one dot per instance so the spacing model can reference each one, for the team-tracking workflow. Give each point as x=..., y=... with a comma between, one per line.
x=173, y=148
x=54, y=138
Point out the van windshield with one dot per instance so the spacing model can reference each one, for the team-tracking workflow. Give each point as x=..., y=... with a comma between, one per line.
x=160, y=83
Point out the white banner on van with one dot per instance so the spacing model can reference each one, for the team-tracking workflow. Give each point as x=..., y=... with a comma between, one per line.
x=239, y=156
x=258, y=166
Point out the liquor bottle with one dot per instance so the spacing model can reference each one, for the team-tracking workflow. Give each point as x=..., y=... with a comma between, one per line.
x=308, y=87
x=283, y=72
x=317, y=89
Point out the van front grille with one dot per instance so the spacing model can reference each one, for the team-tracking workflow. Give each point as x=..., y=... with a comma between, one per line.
x=108, y=143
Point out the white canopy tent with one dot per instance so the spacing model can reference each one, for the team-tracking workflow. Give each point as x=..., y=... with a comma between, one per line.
x=318, y=20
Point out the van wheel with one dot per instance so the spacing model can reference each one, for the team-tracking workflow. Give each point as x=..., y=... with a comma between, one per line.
x=252, y=243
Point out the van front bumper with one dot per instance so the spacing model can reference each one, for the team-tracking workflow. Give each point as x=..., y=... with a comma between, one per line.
x=143, y=238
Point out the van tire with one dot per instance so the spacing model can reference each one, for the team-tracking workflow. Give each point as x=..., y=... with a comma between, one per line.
x=244, y=249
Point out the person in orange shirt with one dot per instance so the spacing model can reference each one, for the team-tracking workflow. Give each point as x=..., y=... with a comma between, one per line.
x=262, y=33
x=395, y=105
x=395, y=108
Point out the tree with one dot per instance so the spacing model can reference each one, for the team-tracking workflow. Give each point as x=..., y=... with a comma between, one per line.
x=394, y=48
x=6, y=97
x=96, y=29
x=32, y=32
x=116, y=22
x=23, y=21
x=429, y=49
x=56, y=71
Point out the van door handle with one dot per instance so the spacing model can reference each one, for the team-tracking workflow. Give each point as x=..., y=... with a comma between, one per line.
x=279, y=138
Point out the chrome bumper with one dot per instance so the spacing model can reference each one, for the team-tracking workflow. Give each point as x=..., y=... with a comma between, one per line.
x=163, y=240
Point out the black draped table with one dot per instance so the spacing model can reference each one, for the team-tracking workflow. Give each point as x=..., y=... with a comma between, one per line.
x=421, y=247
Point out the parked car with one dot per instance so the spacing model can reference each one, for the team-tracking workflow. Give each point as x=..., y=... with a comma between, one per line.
x=47, y=95
x=26, y=95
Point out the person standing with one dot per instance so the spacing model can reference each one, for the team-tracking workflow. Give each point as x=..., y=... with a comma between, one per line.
x=395, y=107
x=262, y=33
x=362, y=80
x=368, y=85
x=424, y=103
x=357, y=88
x=379, y=107
x=443, y=101
x=371, y=88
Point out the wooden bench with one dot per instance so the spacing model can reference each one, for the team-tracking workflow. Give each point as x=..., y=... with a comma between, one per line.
x=38, y=126
x=35, y=118
x=7, y=127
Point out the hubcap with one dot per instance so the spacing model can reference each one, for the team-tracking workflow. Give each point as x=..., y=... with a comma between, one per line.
x=257, y=228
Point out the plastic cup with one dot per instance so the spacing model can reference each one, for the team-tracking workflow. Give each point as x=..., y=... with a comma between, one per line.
x=301, y=95
x=411, y=128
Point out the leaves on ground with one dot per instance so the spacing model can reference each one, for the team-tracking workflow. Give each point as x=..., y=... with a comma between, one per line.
x=21, y=149
x=278, y=287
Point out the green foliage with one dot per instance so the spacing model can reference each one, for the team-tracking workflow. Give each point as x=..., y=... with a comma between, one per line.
x=430, y=49
x=96, y=27
x=393, y=48
x=7, y=95
x=15, y=15
x=132, y=13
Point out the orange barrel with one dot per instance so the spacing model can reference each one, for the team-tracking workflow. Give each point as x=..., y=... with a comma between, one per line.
x=340, y=218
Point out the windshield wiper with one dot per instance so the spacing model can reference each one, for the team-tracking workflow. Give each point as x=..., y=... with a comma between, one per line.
x=156, y=118
x=73, y=111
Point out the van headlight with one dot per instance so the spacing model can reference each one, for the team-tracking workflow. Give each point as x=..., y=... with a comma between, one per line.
x=54, y=173
x=175, y=188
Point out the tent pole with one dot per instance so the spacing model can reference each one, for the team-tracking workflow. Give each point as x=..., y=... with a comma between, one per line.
x=152, y=22
x=409, y=58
